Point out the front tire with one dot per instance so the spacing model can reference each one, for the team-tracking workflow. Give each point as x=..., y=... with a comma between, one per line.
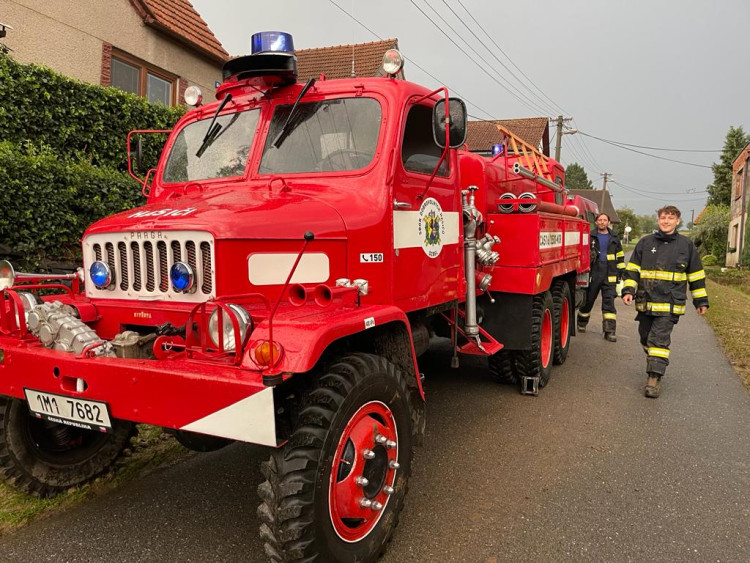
x=335, y=491
x=44, y=458
x=503, y=367
x=537, y=362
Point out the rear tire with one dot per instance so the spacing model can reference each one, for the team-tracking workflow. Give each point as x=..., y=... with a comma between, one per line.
x=45, y=458
x=503, y=367
x=312, y=499
x=537, y=362
x=562, y=319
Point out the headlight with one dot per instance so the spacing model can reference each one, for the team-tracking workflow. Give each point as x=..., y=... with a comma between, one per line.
x=182, y=277
x=393, y=61
x=7, y=275
x=101, y=275
x=243, y=320
x=193, y=96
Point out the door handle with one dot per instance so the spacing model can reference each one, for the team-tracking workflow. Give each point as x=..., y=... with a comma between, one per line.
x=401, y=204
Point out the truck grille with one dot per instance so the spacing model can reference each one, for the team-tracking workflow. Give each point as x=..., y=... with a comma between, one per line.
x=140, y=263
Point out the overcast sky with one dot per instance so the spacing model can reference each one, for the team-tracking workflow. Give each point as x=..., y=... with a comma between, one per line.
x=669, y=74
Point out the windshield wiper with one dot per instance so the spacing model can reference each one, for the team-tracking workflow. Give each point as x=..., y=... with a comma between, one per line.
x=285, y=130
x=213, y=128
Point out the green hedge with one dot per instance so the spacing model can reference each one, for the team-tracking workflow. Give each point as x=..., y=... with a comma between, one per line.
x=63, y=159
x=48, y=203
x=78, y=121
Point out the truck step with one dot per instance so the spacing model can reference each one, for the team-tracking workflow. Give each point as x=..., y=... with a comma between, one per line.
x=530, y=385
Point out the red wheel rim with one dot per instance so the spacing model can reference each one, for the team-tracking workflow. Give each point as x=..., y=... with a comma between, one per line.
x=363, y=471
x=546, y=337
x=564, y=324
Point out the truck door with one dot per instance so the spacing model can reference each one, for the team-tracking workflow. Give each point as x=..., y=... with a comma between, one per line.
x=427, y=236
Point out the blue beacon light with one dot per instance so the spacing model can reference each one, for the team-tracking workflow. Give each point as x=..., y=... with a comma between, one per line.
x=497, y=149
x=271, y=42
x=100, y=274
x=182, y=276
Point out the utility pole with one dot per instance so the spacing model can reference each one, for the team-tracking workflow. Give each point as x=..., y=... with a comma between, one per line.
x=560, y=133
x=606, y=176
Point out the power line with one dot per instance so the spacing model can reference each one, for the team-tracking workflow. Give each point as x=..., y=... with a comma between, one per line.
x=483, y=69
x=509, y=59
x=543, y=104
x=643, y=153
x=412, y=61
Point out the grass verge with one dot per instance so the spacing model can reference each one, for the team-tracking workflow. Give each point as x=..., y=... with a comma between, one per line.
x=148, y=451
x=728, y=314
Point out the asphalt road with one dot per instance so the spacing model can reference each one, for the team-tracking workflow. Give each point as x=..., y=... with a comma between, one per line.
x=590, y=470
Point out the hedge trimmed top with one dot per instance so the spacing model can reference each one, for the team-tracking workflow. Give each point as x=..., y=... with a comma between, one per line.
x=78, y=121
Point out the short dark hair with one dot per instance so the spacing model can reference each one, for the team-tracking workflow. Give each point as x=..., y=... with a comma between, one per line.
x=669, y=210
x=607, y=216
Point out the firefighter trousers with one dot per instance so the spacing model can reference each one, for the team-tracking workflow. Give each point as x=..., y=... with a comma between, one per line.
x=656, y=336
x=599, y=283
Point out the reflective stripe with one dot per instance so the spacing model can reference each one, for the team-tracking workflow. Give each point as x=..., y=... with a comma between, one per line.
x=678, y=309
x=620, y=254
x=584, y=315
x=658, y=352
x=621, y=266
x=699, y=293
x=695, y=276
x=662, y=275
x=630, y=283
x=633, y=267
x=610, y=257
x=612, y=279
x=610, y=316
x=659, y=307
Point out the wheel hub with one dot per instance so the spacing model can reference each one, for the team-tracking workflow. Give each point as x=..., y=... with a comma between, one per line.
x=363, y=472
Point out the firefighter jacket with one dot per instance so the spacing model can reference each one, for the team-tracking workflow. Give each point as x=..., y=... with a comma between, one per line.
x=660, y=269
x=615, y=255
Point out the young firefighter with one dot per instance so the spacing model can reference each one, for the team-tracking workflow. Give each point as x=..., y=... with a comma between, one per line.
x=661, y=267
x=606, y=267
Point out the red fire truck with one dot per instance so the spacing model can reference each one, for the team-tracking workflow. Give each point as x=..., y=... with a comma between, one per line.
x=300, y=246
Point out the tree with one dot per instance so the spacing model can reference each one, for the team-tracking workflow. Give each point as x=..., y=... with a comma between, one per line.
x=576, y=178
x=710, y=235
x=647, y=223
x=627, y=217
x=719, y=193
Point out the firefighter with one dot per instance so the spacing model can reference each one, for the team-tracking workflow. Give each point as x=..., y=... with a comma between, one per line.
x=663, y=264
x=607, y=265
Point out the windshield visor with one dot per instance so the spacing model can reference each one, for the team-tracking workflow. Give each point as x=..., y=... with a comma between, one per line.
x=225, y=155
x=325, y=136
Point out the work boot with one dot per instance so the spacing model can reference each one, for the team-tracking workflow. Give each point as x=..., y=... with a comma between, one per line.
x=653, y=387
x=610, y=336
x=581, y=324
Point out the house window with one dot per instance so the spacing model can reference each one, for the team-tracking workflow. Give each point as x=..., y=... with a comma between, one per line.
x=137, y=77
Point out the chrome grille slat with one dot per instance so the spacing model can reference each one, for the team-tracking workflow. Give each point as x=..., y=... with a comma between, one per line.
x=141, y=263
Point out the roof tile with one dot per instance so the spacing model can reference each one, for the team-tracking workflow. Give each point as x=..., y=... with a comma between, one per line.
x=180, y=19
x=481, y=135
x=337, y=62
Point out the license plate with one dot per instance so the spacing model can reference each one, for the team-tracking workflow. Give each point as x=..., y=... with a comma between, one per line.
x=81, y=413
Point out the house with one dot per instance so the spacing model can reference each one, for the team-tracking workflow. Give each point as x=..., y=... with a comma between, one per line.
x=154, y=48
x=482, y=135
x=738, y=208
x=603, y=201
x=344, y=61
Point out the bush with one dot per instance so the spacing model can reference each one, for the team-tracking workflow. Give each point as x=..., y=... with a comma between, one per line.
x=63, y=158
x=709, y=260
x=48, y=203
x=78, y=121
x=710, y=235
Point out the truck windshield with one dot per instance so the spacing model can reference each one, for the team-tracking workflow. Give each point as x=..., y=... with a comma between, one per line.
x=224, y=157
x=323, y=136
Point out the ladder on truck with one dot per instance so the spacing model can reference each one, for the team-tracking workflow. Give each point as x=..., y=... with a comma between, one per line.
x=529, y=156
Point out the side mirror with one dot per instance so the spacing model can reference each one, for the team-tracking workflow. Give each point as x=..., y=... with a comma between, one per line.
x=457, y=122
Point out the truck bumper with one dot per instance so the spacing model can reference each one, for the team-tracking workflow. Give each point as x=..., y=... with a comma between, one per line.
x=203, y=397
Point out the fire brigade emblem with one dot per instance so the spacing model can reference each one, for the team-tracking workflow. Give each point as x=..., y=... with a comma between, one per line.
x=431, y=227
